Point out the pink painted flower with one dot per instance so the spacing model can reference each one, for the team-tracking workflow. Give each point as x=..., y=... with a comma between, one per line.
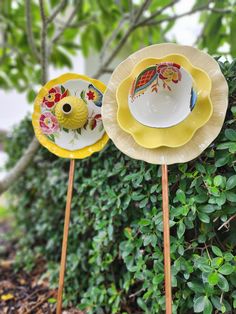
x=48, y=123
x=54, y=95
x=169, y=71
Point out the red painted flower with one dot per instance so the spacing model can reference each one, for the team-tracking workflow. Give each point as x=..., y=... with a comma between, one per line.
x=91, y=95
x=48, y=123
x=169, y=71
x=94, y=121
x=54, y=96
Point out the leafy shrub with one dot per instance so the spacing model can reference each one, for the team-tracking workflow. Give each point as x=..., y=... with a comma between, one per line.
x=115, y=254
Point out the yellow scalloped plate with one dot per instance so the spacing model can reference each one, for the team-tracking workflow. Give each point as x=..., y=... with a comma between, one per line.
x=52, y=147
x=176, y=135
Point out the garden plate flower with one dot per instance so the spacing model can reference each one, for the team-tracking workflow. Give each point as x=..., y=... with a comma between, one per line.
x=67, y=116
x=164, y=101
x=200, y=140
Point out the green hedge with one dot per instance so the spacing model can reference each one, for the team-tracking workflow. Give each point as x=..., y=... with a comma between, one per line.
x=115, y=254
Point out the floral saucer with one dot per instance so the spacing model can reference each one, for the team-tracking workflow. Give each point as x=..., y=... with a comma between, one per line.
x=164, y=101
x=67, y=116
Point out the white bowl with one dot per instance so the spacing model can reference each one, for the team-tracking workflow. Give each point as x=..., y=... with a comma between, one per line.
x=162, y=95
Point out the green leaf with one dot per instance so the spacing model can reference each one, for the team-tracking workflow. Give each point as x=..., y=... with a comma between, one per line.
x=218, y=180
x=223, y=283
x=65, y=130
x=207, y=208
x=208, y=306
x=231, y=135
x=201, y=198
x=196, y=287
x=213, y=279
x=231, y=182
x=158, y=279
x=143, y=203
x=216, y=262
x=144, y=222
x=216, y=251
x=228, y=257
x=142, y=304
x=181, y=196
x=203, y=217
x=231, y=196
x=232, y=37
x=222, y=161
x=31, y=95
x=199, y=304
x=216, y=302
x=226, y=269
x=62, y=89
x=150, y=239
x=181, y=229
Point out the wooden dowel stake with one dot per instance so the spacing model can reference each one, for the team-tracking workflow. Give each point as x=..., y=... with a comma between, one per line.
x=166, y=231
x=65, y=236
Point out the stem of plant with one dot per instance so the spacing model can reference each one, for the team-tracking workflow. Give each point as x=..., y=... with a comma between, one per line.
x=166, y=231
x=65, y=236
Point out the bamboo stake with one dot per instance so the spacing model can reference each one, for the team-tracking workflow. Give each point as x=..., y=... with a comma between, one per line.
x=166, y=230
x=65, y=236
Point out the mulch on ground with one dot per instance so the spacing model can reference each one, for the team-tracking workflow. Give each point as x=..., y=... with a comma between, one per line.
x=20, y=292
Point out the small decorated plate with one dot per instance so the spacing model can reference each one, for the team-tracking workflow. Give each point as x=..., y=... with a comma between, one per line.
x=164, y=101
x=67, y=116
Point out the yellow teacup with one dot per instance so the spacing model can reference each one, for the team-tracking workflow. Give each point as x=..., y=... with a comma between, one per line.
x=71, y=112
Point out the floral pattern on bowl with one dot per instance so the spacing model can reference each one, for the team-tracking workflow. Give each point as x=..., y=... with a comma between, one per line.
x=171, y=72
x=162, y=95
x=166, y=71
x=72, y=143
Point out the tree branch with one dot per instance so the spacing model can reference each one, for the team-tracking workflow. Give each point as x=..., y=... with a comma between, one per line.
x=142, y=8
x=158, y=12
x=44, y=53
x=111, y=38
x=20, y=167
x=30, y=152
x=84, y=22
x=68, y=22
x=115, y=52
x=123, y=40
x=221, y=11
x=29, y=31
x=226, y=223
x=57, y=10
x=152, y=22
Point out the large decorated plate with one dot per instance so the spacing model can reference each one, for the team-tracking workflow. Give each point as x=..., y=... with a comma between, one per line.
x=164, y=101
x=200, y=140
x=67, y=116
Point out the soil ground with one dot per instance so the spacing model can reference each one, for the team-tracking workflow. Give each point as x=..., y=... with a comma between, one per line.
x=20, y=292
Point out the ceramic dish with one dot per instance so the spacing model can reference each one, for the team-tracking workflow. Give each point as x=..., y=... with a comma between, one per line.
x=164, y=101
x=67, y=116
x=162, y=95
x=202, y=137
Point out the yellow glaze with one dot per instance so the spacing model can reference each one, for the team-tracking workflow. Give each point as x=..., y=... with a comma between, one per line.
x=179, y=134
x=71, y=112
x=52, y=147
